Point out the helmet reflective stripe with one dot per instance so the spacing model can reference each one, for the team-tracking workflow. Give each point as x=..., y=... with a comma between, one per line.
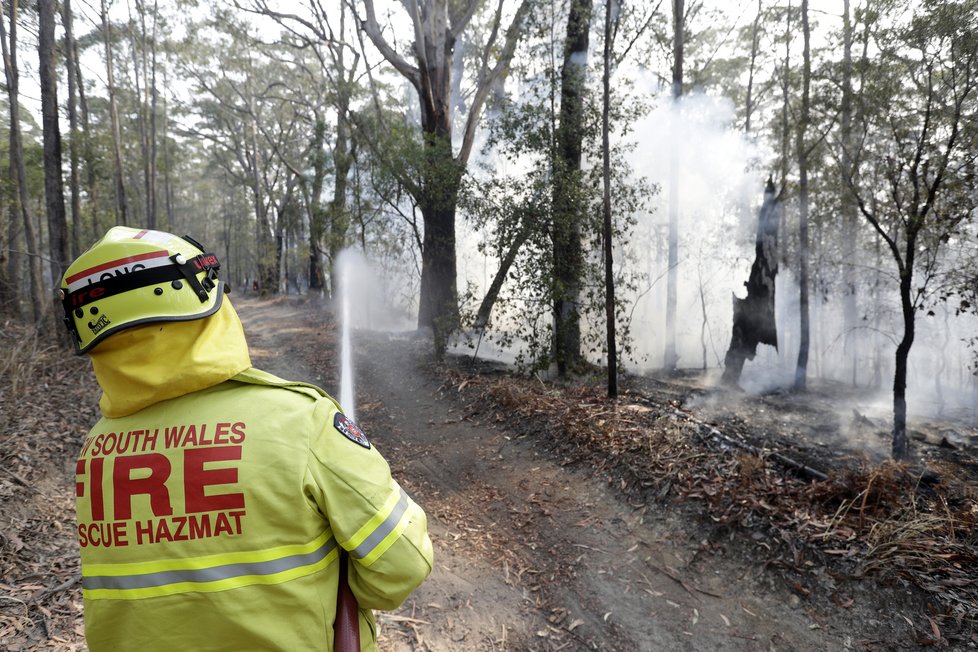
x=159, y=237
x=217, y=573
x=115, y=267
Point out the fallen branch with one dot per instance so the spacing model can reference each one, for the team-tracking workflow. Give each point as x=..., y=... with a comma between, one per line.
x=806, y=472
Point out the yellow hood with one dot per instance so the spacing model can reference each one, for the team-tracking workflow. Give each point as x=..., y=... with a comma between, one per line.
x=147, y=364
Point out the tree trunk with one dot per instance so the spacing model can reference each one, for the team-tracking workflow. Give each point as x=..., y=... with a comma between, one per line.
x=339, y=215
x=88, y=151
x=567, y=201
x=167, y=172
x=785, y=153
x=144, y=67
x=754, y=44
x=489, y=300
x=801, y=370
x=438, y=307
x=439, y=297
x=610, y=27
x=901, y=444
x=74, y=175
x=670, y=357
x=317, y=216
x=54, y=193
x=122, y=206
x=18, y=170
x=264, y=246
x=753, y=317
x=850, y=212
x=151, y=202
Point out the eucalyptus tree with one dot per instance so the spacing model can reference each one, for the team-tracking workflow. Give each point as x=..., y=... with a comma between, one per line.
x=121, y=202
x=568, y=201
x=802, y=149
x=679, y=26
x=8, y=287
x=143, y=51
x=74, y=136
x=440, y=27
x=51, y=136
x=20, y=196
x=250, y=126
x=916, y=154
x=318, y=35
x=612, y=15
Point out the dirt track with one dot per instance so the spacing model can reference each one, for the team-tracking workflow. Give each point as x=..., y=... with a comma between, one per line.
x=531, y=555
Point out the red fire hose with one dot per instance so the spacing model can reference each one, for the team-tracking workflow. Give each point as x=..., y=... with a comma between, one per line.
x=346, y=629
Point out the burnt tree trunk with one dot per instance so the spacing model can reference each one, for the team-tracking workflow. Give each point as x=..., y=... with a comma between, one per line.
x=753, y=320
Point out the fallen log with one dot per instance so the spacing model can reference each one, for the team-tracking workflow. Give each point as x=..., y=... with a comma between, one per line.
x=704, y=428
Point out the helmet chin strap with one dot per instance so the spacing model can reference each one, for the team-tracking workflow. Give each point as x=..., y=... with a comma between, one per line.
x=190, y=268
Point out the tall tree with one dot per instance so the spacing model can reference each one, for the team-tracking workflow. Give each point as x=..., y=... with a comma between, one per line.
x=568, y=202
x=850, y=213
x=802, y=150
x=88, y=140
x=317, y=30
x=74, y=176
x=671, y=357
x=438, y=25
x=750, y=100
x=610, y=28
x=20, y=200
x=121, y=203
x=144, y=65
x=54, y=193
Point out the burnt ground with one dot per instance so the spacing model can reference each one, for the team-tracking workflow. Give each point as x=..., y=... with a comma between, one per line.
x=562, y=521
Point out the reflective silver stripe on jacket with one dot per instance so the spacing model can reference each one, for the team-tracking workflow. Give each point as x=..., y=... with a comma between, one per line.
x=383, y=529
x=213, y=574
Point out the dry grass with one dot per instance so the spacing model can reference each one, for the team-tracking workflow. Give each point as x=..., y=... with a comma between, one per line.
x=47, y=402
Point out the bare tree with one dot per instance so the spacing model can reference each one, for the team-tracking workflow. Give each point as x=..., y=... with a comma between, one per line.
x=753, y=317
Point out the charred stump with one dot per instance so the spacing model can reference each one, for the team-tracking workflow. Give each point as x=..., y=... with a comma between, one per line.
x=753, y=316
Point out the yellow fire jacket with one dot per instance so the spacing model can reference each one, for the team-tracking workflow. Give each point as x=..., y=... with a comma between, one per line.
x=213, y=500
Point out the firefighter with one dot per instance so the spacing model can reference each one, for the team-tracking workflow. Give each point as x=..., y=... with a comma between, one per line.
x=214, y=500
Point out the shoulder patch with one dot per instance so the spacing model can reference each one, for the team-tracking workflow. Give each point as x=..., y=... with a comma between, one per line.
x=350, y=430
